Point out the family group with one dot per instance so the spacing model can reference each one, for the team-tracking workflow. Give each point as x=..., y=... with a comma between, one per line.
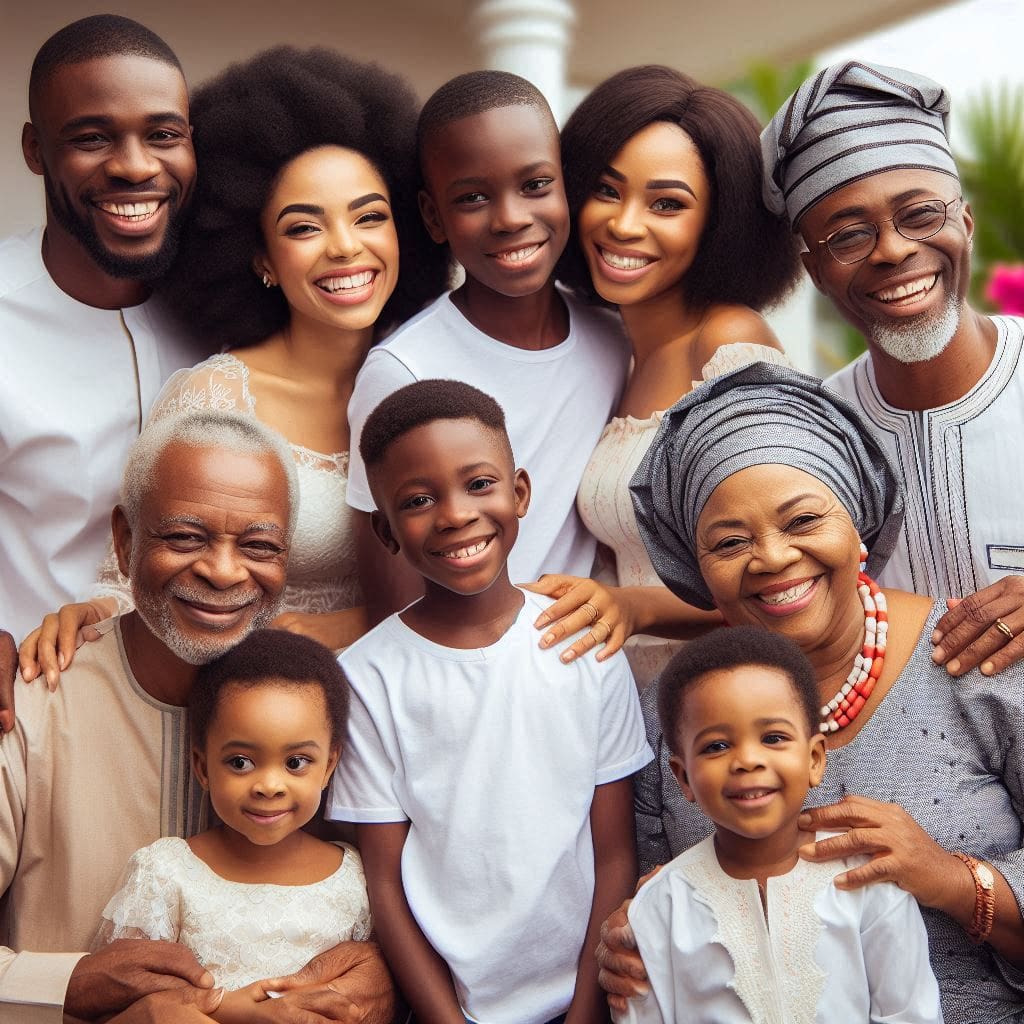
x=438, y=596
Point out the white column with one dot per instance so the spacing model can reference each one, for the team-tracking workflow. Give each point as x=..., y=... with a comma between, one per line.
x=530, y=38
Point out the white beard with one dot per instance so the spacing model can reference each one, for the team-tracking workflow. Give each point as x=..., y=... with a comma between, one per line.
x=919, y=339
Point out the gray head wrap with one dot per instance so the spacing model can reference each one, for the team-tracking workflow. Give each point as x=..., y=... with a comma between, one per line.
x=848, y=122
x=761, y=414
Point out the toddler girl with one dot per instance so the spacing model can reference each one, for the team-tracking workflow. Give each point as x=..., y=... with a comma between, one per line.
x=255, y=897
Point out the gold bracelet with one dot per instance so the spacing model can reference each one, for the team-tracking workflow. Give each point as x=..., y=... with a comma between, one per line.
x=984, y=898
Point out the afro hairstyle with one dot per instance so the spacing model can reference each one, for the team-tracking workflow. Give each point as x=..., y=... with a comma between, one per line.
x=249, y=122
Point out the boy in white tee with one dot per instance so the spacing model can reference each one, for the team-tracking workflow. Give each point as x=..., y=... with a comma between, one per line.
x=490, y=782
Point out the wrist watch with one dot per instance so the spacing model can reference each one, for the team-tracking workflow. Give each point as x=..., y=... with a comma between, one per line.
x=984, y=897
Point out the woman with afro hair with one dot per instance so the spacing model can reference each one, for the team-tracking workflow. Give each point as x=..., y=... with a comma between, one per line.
x=663, y=179
x=305, y=209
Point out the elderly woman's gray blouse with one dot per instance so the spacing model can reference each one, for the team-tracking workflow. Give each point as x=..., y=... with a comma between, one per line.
x=951, y=753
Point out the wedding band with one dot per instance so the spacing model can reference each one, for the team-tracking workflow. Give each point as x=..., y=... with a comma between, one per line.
x=607, y=632
x=1004, y=629
x=594, y=613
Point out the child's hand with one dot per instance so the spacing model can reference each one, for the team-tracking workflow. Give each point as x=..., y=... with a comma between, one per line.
x=583, y=604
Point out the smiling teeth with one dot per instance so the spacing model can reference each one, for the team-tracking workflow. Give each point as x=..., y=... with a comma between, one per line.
x=613, y=259
x=473, y=549
x=787, y=596
x=902, y=291
x=341, y=284
x=133, y=211
x=752, y=794
x=518, y=255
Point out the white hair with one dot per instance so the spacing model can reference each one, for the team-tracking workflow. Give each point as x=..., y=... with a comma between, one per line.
x=207, y=428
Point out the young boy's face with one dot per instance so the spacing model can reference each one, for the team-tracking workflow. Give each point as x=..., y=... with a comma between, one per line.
x=747, y=754
x=494, y=192
x=450, y=500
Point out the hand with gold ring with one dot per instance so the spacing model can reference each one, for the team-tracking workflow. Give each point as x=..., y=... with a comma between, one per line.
x=582, y=604
x=983, y=630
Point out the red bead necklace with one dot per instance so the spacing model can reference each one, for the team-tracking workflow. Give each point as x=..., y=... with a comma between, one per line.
x=848, y=703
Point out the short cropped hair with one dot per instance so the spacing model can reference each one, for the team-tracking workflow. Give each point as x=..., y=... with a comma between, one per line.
x=747, y=255
x=425, y=402
x=734, y=647
x=473, y=93
x=208, y=428
x=249, y=123
x=264, y=657
x=101, y=35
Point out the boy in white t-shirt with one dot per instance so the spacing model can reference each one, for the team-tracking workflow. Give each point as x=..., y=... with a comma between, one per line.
x=493, y=195
x=489, y=781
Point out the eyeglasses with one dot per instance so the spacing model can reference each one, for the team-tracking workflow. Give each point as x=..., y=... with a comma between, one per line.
x=856, y=242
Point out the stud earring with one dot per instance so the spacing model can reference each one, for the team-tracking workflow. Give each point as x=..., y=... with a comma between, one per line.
x=863, y=557
x=267, y=283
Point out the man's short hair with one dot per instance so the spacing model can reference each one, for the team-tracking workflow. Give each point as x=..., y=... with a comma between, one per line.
x=101, y=35
x=228, y=431
x=734, y=647
x=473, y=93
x=425, y=402
x=270, y=656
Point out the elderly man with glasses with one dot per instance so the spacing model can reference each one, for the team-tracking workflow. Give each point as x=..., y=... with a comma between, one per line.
x=859, y=162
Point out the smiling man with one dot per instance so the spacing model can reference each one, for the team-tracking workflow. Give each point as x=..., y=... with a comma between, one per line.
x=100, y=768
x=859, y=161
x=83, y=352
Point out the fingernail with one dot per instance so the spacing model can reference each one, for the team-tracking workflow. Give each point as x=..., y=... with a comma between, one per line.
x=60, y=661
x=549, y=638
x=803, y=819
x=988, y=668
x=937, y=636
x=938, y=655
x=952, y=667
x=207, y=980
x=51, y=681
x=540, y=622
x=568, y=656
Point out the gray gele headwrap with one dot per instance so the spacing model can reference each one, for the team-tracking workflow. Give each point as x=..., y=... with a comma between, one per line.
x=761, y=414
x=847, y=122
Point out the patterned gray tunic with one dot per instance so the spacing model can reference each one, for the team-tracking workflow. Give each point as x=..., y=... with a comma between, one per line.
x=951, y=753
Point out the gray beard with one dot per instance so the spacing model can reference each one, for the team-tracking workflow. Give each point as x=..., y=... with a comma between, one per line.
x=155, y=612
x=919, y=339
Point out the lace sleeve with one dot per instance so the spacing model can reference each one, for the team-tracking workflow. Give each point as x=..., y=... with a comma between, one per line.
x=731, y=357
x=220, y=382
x=147, y=905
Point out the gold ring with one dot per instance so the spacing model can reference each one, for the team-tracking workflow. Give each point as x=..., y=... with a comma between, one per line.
x=607, y=632
x=1004, y=629
x=594, y=613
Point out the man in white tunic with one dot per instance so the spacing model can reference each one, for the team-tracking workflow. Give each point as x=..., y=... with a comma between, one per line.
x=83, y=351
x=859, y=161
x=100, y=768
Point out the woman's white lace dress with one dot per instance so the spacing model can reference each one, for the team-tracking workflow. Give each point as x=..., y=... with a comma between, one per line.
x=240, y=932
x=322, y=562
x=607, y=510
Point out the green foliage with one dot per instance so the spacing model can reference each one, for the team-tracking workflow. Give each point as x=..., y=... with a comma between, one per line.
x=765, y=87
x=993, y=179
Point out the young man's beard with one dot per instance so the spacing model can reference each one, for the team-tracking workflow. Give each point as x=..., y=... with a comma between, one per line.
x=147, y=267
x=920, y=338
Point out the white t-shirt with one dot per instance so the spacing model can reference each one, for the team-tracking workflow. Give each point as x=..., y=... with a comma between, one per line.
x=493, y=756
x=76, y=384
x=963, y=466
x=823, y=956
x=556, y=403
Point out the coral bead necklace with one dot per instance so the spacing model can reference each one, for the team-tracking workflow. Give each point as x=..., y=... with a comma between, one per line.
x=848, y=703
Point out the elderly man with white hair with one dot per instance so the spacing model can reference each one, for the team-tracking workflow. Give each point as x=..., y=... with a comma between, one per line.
x=100, y=768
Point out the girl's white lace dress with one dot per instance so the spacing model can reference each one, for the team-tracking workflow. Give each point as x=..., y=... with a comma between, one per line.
x=240, y=932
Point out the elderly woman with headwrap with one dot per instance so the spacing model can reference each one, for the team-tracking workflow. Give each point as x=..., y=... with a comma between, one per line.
x=755, y=498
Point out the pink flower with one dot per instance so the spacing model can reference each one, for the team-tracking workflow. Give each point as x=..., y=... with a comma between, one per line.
x=1006, y=289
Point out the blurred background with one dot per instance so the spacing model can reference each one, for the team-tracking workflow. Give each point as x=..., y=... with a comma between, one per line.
x=759, y=49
